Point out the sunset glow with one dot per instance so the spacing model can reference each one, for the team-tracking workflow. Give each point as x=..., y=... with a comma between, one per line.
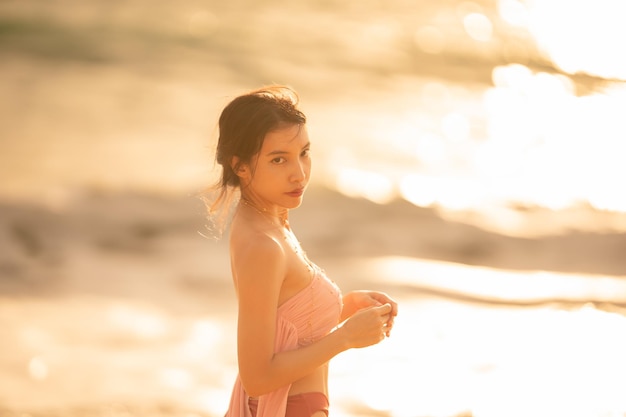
x=491, y=360
x=467, y=160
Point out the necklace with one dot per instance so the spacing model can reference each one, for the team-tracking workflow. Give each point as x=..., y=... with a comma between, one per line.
x=264, y=212
x=288, y=234
x=293, y=241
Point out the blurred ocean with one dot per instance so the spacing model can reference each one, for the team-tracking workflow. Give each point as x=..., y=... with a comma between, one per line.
x=456, y=104
x=492, y=112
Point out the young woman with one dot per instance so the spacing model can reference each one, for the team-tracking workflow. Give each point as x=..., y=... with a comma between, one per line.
x=291, y=318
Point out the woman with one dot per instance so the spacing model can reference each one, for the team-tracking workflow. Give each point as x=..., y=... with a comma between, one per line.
x=291, y=318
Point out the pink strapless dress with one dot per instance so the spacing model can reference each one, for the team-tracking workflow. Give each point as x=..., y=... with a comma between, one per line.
x=301, y=320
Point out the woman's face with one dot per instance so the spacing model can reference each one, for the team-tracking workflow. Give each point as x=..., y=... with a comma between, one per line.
x=279, y=173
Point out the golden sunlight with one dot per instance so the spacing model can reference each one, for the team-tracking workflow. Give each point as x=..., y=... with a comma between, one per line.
x=367, y=184
x=581, y=36
x=176, y=378
x=478, y=26
x=455, y=193
x=38, y=368
x=204, y=336
x=139, y=322
x=514, y=12
x=487, y=359
x=540, y=136
x=504, y=119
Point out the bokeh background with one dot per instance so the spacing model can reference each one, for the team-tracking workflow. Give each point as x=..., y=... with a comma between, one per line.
x=467, y=160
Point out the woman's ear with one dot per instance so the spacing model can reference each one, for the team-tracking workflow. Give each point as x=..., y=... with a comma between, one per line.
x=239, y=168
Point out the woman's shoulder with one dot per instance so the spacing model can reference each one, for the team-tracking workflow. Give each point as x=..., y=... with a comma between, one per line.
x=254, y=243
x=254, y=254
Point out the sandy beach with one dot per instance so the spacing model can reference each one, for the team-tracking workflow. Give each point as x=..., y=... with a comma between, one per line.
x=115, y=304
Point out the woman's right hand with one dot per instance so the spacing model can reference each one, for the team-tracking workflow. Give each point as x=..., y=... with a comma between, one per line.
x=367, y=326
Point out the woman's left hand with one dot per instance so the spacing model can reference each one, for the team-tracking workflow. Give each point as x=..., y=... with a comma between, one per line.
x=364, y=299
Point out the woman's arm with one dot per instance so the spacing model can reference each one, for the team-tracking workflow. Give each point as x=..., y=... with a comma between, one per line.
x=259, y=269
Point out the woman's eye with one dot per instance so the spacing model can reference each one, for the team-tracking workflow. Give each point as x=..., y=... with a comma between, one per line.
x=306, y=152
x=278, y=160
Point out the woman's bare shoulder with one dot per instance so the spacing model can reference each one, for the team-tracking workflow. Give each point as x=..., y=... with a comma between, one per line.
x=256, y=248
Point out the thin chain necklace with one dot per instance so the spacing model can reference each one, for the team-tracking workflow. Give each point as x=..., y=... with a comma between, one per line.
x=264, y=212
x=293, y=241
x=289, y=236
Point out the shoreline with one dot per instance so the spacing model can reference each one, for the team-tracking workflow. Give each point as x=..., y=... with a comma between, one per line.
x=116, y=305
x=135, y=228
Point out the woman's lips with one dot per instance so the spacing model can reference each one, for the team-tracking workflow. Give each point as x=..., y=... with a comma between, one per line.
x=296, y=193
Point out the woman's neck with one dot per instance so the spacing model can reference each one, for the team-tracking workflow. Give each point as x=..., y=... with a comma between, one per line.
x=280, y=215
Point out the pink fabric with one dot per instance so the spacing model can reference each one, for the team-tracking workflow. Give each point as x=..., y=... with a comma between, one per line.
x=304, y=318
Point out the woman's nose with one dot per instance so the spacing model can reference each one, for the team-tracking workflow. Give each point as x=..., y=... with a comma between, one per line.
x=299, y=171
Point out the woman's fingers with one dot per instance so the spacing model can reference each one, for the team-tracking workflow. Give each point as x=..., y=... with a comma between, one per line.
x=387, y=315
x=368, y=326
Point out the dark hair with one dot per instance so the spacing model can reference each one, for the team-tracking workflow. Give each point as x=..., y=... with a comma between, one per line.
x=243, y=125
